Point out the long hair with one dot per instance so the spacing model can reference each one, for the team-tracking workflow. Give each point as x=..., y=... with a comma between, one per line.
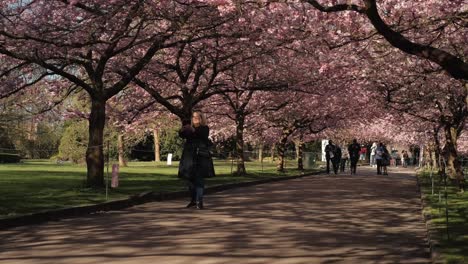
x=203, y=121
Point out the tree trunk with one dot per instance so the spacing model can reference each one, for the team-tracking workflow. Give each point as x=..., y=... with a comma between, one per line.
x=120, y=143
x=186, y=113
x=282, y=150
x=466, y=89
x=429, y=156
x=94, y=153
x=439, y=164
x=434, y=159
x=299, y=152
x=240, y=146
x=296, y=147
x=453, y=163
x=272, y=152
x=260, y=152
x=157, y=145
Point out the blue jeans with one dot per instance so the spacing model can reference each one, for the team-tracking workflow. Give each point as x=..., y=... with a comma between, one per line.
x=199, y=195
x=196, y=192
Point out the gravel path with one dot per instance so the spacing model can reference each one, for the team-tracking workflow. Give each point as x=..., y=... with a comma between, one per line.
x=361, y=218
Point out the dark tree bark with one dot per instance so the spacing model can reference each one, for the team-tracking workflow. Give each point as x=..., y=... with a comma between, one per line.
x=440, y=165
x=94, y=153
x=299, y=152
x=240, y=119
x=450, y=150
x=282, y=149
x=452, y=64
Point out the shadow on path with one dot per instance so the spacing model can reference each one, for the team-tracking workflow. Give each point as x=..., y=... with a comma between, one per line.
x=319, y=219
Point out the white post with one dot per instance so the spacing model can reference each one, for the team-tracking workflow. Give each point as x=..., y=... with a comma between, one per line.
x=169, y=159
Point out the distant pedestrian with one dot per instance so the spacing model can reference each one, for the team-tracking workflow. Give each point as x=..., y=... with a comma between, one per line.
x=363, y=152
x=394, y=158
x=372, y=155
x=344, y=160
x=405, y=158
x=354, y=150
x=379, y=153
x=336, y=159
x=385, y=160
x=329, y=154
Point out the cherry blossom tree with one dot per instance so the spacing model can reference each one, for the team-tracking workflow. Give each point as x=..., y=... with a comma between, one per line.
x=87, y=44
x=239, y=105
x=435, y=100
x=433, y=36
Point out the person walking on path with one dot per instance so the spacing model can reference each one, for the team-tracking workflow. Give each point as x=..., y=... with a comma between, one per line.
x=329, y=154
x=196, y=162
x=405, y=158
x=344, y=159
x=372, y=155
x=379, y=154
x=336, y=159
x=385, y=160
x=363, y=153
x=354, y=150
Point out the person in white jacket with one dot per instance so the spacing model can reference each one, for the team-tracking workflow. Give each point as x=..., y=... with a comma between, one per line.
x=372, y=155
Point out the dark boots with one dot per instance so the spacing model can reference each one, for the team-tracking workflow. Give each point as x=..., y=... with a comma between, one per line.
x=191, y=204
x=198, y=204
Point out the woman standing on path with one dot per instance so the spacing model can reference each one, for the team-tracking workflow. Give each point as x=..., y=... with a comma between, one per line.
x=196, y=163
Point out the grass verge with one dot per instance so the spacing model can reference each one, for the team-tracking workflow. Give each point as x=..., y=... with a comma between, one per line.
x=453, y=248
x=40, y=185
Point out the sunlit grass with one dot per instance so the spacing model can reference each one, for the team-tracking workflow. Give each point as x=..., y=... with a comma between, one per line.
x=41, y=185
x=454, y=247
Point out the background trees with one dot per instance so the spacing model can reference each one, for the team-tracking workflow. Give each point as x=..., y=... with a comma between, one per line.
x=97, y=46
x=266, y=72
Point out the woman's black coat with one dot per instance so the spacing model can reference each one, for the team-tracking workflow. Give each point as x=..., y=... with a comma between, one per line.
x=192, y=166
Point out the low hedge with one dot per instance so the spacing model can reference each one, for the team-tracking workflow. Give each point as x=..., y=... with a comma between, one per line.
x=9, y=158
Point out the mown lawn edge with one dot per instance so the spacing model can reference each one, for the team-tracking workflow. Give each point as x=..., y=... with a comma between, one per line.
x=145, y=197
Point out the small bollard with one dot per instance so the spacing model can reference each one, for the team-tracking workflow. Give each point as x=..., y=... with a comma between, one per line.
x=169, y=159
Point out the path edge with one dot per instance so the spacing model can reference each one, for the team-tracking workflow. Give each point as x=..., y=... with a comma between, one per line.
x=141, y=198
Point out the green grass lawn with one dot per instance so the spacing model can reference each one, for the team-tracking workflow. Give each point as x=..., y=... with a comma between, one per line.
x=455, y=249
x=41, y=185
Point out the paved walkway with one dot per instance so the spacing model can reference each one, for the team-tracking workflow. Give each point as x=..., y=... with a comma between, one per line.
x=318, y=219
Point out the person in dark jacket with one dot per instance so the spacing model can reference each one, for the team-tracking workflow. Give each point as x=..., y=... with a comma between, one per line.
x=336, y=159
x=354, y=150
x=196, y=163
x=329, y=154
x=385, y=159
